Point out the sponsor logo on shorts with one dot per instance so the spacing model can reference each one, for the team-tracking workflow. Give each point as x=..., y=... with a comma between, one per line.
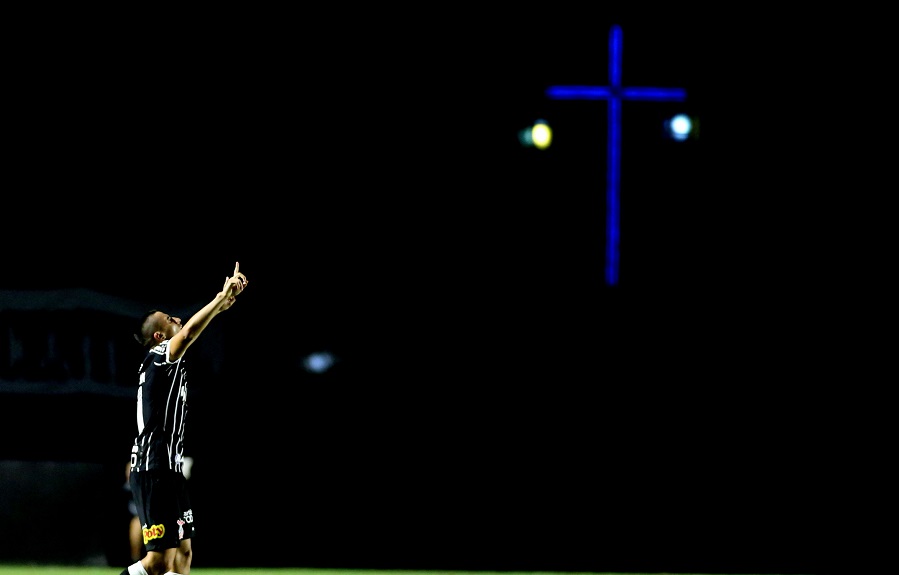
x=154, y=532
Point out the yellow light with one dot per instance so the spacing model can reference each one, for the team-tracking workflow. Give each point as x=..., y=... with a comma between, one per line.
x=541, y=135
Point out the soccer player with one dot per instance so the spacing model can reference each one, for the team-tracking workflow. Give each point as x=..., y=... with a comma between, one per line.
x=157, y=478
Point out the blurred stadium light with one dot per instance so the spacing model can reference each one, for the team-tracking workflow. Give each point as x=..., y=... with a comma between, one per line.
x=539, y=135
x=681, y=127
x=319, y=362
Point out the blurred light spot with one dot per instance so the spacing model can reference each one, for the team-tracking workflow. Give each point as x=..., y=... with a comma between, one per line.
x=538, y=136
x=680, y=127
x=318, y=362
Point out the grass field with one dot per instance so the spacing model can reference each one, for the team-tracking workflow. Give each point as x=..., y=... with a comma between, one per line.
x=68, y=570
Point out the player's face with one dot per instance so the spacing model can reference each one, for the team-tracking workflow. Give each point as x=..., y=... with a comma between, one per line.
x=171, y=324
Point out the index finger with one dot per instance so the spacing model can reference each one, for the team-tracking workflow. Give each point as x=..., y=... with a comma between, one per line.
x=236, y=268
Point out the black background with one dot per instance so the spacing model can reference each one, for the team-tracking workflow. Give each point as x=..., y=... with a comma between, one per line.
x=495, y=404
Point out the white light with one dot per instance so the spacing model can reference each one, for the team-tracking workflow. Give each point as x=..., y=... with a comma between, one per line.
x=680, y=127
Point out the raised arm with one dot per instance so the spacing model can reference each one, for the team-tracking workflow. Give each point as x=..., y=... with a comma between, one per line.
x=222, y=301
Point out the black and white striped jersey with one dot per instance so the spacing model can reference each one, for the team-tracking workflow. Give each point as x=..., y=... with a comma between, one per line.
x=161, y=411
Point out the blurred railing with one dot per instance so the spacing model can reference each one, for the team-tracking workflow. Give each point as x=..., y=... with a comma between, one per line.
x=69, y=341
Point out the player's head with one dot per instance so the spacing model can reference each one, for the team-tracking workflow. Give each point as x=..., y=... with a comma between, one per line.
x=155, y=327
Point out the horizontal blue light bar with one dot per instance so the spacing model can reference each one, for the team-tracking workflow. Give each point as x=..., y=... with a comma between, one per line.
x=666, y=94
x=604, y=93
x=579, y=92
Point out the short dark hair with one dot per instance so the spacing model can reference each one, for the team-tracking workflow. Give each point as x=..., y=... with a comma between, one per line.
x=139, y=334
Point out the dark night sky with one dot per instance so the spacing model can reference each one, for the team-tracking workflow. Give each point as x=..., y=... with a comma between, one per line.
x=375, y=175
x=338, y=172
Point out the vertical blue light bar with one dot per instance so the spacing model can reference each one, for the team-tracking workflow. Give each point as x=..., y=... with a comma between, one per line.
x=613, y=157
x=614, y=93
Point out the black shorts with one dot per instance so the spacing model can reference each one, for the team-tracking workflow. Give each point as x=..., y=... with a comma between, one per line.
x=163, y=506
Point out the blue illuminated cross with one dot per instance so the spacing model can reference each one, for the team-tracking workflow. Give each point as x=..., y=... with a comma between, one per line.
x=615, y=94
